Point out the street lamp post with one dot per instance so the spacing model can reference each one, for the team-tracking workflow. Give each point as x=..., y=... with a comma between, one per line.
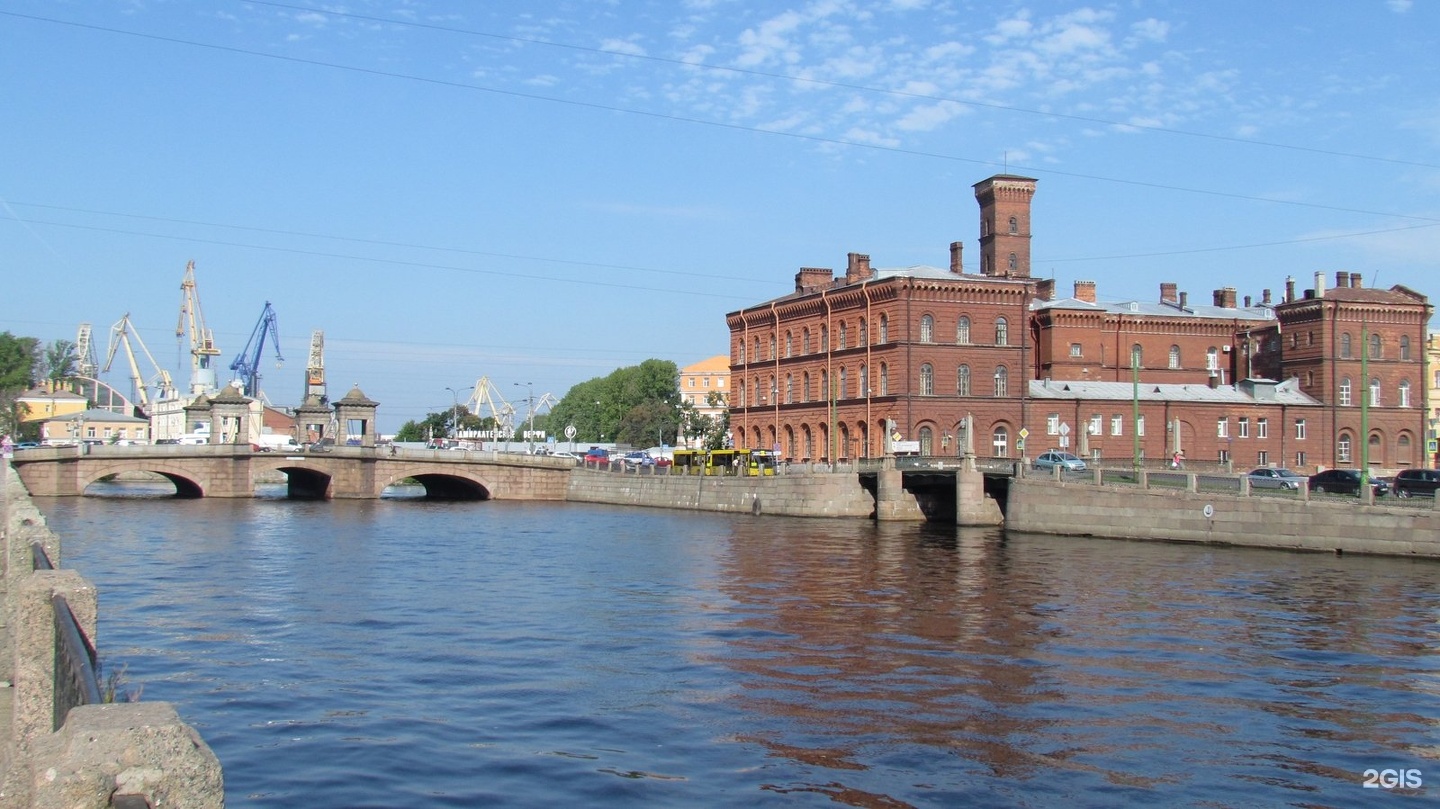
x=455, y=411
x=530, y=419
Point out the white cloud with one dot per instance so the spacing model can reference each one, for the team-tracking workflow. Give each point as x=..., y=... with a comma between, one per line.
x=622, y=46
x=1400, y=6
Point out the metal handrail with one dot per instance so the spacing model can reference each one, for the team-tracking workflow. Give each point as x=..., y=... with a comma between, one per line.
x=76, y=681
x=41, y=559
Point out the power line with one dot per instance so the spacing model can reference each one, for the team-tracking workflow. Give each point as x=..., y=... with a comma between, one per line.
x=720, y=124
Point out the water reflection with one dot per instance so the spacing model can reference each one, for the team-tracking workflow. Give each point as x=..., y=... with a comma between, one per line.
x=447, y=654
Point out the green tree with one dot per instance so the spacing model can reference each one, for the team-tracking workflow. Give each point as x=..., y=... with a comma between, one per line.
x=61, y=361
x=19, y=357
x=633, y=405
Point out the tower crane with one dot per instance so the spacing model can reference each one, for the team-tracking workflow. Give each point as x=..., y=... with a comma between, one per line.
x=202, y=341
x=247, y=365
x=121, y=335
x=315, y=369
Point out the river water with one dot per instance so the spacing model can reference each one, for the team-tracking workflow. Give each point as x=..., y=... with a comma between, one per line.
x=403, y=653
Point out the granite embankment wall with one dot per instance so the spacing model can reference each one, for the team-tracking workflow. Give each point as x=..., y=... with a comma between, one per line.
x=1329, y=525
x=101, y=755
x=817, y=494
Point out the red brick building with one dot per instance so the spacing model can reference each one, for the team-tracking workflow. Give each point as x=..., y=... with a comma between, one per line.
x=843, y=365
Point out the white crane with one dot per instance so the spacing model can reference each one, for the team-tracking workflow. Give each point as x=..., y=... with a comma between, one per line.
x=121, y=335
x=488, y=397
x=202, y=342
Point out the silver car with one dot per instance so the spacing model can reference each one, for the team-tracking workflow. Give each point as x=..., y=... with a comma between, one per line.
x=1064, y=460
x=1267, y=478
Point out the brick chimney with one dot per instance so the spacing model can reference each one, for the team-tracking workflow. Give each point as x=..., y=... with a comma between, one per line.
x=1265, y=297
x=1184, y=300
x=1225, y=297
x=1289, y=289
x=1045, y=290
x=957, y=263
x=857, y=268
x=1085, y=291
x=813, y=279
x=1167, y=293
x=1342, y=280
x=1356, y=282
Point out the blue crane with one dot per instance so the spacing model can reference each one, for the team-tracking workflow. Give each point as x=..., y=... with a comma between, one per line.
x=247, y=365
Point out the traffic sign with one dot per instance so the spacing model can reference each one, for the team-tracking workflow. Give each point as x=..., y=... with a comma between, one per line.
x=1024, y=433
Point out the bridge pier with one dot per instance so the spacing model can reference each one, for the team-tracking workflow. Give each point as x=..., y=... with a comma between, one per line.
x=892, y=502
x=971, y=505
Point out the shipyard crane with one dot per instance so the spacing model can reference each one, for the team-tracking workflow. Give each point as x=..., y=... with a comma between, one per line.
x=247, y=365
x=124, y=335
x=202, y=342
x=86, y=364
x=487, y=398
x=315, y=369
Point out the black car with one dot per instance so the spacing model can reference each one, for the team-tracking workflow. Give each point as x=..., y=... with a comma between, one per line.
x=1423, y=482
x=1345, y=481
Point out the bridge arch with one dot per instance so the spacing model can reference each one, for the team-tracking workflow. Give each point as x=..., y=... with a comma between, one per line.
x=185, y=482
x=444, y=485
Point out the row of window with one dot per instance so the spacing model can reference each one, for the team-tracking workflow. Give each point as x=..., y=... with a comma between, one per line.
x=1404, y=393
x=807, y=339
x=1377, y=346
x=963, y=387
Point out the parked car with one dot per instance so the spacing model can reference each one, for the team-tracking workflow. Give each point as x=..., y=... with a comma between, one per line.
x=1409, y=482
x=1345, y=481
x=1267, y=478
x=637, y=458
x=1064, y=460
x=598, y=455
x=27, y=445
x=567, y=455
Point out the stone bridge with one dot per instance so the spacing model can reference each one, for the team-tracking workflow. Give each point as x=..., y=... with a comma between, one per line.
x=231, y=470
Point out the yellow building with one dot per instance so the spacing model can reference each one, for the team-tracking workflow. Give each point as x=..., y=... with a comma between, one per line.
x=93, y=426
x=39, y=404
x=705, y=385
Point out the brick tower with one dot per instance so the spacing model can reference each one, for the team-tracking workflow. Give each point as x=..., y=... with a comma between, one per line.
x=1005, y=225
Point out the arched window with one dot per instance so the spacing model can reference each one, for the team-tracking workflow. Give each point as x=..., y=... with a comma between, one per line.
x=884, y=379
x=742, y=352
x=842, y=336
x=927, y=329
x=927, y=441
x=757, y=349
x=740, y=393
x=1375, y=392
x=1002, y=332
x=884, y=329
x=1377, y=452
x=1404, y=346
x=1345, y=392
x=805, y=387
x=864, y=338
x=1402, y=450
x=1212, y=359
x=865, y=381
x=1002, y=382
x=1137, y=356
x=789, y=388
x=1000, y=442
x=840, y=392
x=789, y=345
x=805, y=340
x=824, y=338
x=1342, y=449
x=825, y=392
x=927, y=379
x=1014, y=226
x=962, y=384
x=772, y=355
x=1011, y=262
x=1345, y=346
x=809, y=439
x=1374, y=346
x=1404, y=393
x=1174, y=357
x=962, y=331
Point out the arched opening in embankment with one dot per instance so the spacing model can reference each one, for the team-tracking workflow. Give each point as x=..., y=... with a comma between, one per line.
x=305, y=484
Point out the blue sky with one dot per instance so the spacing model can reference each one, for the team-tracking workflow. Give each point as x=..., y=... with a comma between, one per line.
x=539, y=193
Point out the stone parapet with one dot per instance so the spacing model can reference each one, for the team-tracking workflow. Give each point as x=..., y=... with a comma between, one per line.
x=1129, y=512
x=837, y=494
